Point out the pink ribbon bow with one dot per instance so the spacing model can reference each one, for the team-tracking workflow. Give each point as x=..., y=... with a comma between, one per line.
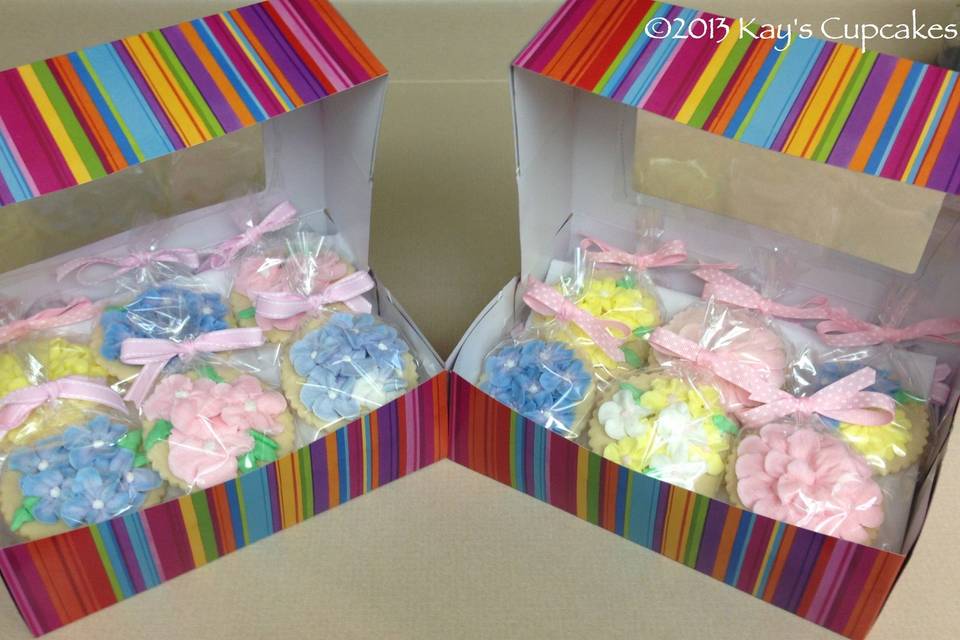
x=77, y=311
x=154, y=354
x=726, y=289
x=851, y=332
x=225, y=253
x=547, y=301
x=16, y=406
x=186, y=257
x=671, y=253
x=348, y=290
x=845, y=400
x=722, y=365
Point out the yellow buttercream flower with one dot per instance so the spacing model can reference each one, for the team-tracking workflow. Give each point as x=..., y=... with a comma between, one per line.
x=61, y=358
x=880, y=444
x=12, y=375
x=632, y=453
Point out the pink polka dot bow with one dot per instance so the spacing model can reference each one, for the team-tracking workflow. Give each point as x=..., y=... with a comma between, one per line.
x=547, y=301
x=845, y=400
x=281, y=216
x=348, y=290
x=851, y=332
x=724, y=365
x=671, y=253
x=154, y=354
x=724, y=288
x=77, y=311
x=17, y=405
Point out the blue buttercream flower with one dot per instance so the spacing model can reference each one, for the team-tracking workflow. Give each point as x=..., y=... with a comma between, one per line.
x=39, y=458
x=98, y=437
x=92, y=499
x=831, y=372
x=329, y=396
x=49, y=487
x=543, y=381
x=165, y=312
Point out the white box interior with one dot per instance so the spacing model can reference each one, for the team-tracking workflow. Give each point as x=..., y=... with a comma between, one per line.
x=574, y=172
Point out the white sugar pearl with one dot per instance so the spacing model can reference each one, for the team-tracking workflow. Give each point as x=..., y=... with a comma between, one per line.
x=43, y=466
x=55, y=492
x=97, y=504
x=250, y=406
x=98, y=444
x=332, y=395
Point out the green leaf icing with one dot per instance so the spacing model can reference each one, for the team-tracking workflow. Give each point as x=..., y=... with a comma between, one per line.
x=210, y=373
x=904, y=397
x=637, y=393
x=264, y=451
x=24, y=514
x=131, y=441
x=725, y=424
x=247, y=314
x=633, y=360
x=160, y=432
x=642, y=332
x=627, y=282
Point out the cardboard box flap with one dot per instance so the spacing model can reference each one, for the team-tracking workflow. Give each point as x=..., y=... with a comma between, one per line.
x=881, y=134
x=74, y=118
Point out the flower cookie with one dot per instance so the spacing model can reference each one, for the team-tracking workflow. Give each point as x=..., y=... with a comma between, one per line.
x=735, y=333
x=344, y=366
x=544, y=381
x=667, y=427
x=622, y=300
x=211, y=425
x=888, y=448
x=165, y=312
x=259, y=274
x=802, y=476
x=44, y=360
x=94, y=471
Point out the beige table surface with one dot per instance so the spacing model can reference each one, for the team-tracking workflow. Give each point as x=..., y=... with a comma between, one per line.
x=447, y=553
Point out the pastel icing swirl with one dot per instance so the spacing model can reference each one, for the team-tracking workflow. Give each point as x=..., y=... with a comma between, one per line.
x=165, y=312
x=89, y=474
x=800, y=476
x=544, y=381
x=673, y=431
x=349, y=364
x=215, y=429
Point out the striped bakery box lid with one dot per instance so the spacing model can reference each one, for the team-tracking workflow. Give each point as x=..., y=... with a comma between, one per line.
x=825, y=101
x=77, y=117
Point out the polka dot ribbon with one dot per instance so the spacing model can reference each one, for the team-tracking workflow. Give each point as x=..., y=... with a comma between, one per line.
x=723, y=365
x=225, y=253
x=16, y=406
x=154, y=354
x=82, y=266
x=348, y=290
x=671, y=253
x=724, y=288
x=851, y=332
x=547, y=301
x=79, y=310
x=845, y=400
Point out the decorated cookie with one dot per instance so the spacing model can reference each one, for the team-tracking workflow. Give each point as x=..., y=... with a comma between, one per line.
x=211, y=425
x=738, y=334
x=544, y=381
x=621, y=299
x=892, y=447
x=259, y=274
x=343, y=366
x=90, y=473
x=802, y=475
x=44, y=360
x=666, y=426
x=165, y=312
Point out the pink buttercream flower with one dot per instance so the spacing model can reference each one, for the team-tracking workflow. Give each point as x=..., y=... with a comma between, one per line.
x=259, y=274
x=203, y=462
x=249, y=406
x=159, y=406
x=193, y=413
x=801, y=476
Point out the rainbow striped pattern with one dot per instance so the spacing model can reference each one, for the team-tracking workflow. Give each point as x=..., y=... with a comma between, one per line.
x=820, y=100
x=839, y=585
x=60, y=579
x=77, y=117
